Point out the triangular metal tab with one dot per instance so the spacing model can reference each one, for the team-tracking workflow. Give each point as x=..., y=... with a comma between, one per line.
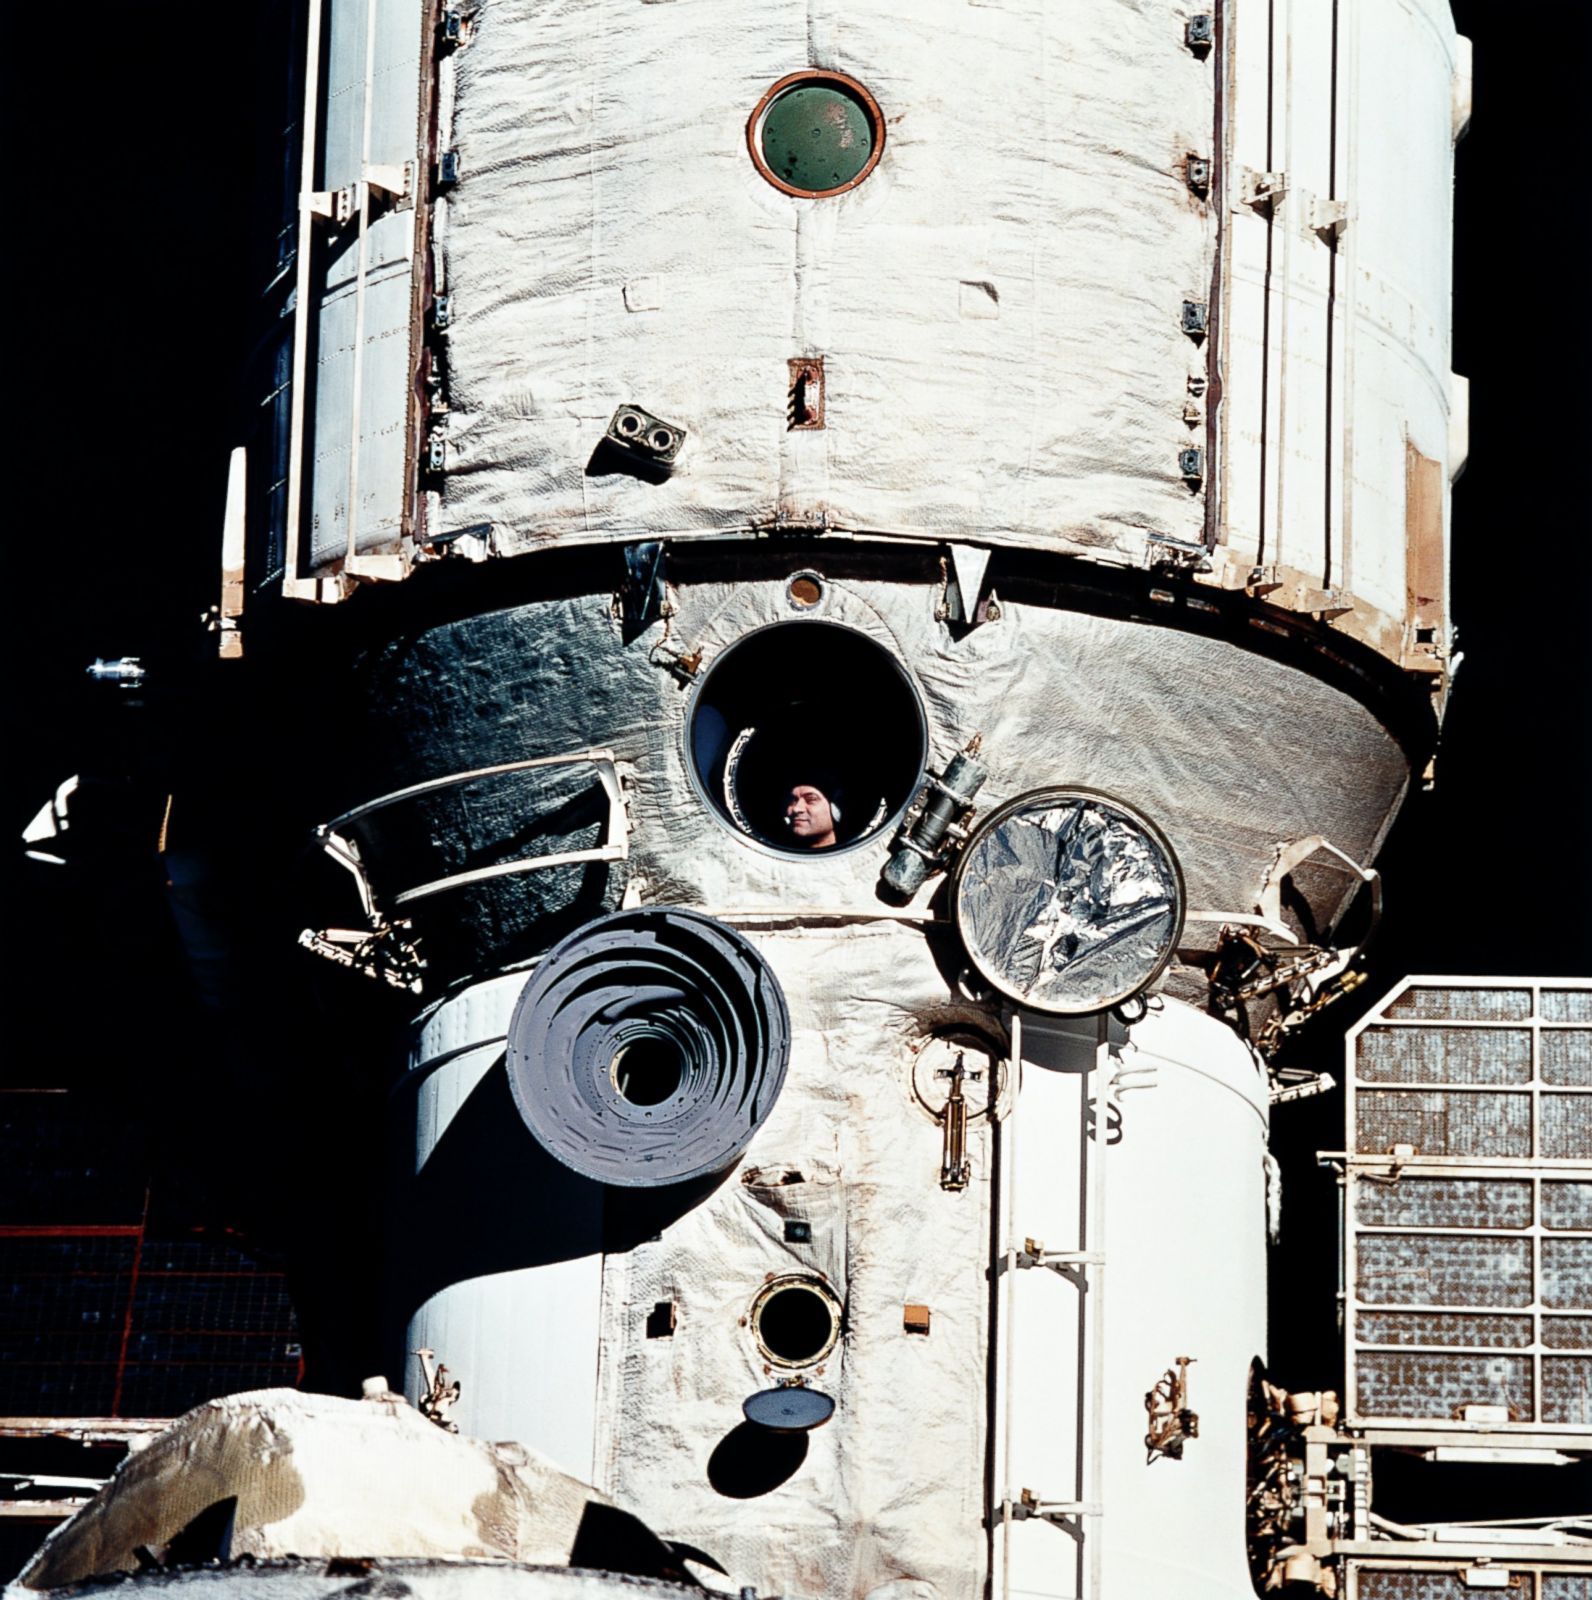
x=642, y=596
x=969, y=563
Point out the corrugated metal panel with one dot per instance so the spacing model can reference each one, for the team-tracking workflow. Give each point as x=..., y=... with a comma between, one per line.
x=352, y=391
x=362, y=337
x=1468, y=1276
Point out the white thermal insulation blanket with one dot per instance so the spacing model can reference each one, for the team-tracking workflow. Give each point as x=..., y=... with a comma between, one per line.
x=999, y=304
x=892, y=1488
x=316, y=1475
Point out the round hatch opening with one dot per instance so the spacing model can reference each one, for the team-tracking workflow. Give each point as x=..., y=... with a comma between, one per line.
x=647, y=1070
x=816, y=134
x=796, y=1321
x=807, y=737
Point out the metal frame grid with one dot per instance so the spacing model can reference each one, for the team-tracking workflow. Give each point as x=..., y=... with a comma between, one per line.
x=1384, y=1579
x=1524, y=1297
x=111, y=1321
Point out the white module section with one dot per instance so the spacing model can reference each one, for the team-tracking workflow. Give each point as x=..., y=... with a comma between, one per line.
x=501, y=1267
x=1167, y=1219
x=363, y=177
x=1075, y=1273
x=1342, y=422
x=999, y=306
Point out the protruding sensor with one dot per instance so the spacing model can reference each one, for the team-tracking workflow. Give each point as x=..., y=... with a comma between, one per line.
x=933, y=824
x=649, y=1047
x=1068, y=900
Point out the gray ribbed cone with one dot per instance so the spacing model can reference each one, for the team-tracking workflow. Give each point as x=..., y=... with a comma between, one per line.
x=649, y=1047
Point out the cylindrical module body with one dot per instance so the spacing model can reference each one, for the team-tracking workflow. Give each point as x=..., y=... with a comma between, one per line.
x=788, y=404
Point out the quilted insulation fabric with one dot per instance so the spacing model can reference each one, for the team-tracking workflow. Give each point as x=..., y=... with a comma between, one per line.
x=998, y=305
x=315, y=1475
x=892, y=1489
x=1221, y=749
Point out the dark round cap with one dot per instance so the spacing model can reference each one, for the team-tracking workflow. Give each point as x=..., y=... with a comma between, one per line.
x=792, y=1410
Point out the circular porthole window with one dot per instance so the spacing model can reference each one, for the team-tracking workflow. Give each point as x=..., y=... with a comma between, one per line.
x=816, y=133
x=807, y=737
x=796, y=1320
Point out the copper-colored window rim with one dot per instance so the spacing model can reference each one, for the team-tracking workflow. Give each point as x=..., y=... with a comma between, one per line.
x=816, y=76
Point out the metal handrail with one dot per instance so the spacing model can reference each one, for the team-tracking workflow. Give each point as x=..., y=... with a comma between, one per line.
x=615, y=844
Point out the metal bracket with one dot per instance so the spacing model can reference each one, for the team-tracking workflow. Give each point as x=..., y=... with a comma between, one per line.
x=1034, y=1254
x=615, y=845
x=394, y=183
x=1329, y=219
x=1064, y=1513
x=386, y=953
x=1298, y=851
x=955, y=1167
x=440, y=1396
x=1172, y=1424
x=1298, y=1083
x=965, y=572
x=1262, y=191
x=478, y=542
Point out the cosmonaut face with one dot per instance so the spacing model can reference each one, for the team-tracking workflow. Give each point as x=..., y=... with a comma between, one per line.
x=809, y=816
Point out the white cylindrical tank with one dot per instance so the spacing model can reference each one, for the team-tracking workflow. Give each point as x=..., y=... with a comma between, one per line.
x=1159, y=290
x=1152, y=1248
x=626, y=1353
x=499, y=1248
x=1141, y=285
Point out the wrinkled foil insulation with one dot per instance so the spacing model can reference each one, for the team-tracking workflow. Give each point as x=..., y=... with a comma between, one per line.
x=1068, y=902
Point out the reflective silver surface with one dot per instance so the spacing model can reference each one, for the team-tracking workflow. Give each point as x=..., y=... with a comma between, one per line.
x=1068, y=901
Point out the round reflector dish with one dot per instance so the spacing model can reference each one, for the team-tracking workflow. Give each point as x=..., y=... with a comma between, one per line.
x=1069, y=901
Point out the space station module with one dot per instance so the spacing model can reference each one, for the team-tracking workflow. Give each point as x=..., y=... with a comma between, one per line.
x=883, y=570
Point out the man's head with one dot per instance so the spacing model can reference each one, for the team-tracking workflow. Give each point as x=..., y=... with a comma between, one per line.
x=811, y=812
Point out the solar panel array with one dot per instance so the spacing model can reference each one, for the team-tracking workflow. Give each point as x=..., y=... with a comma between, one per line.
x=1468, y=1276
x=1370, y=1581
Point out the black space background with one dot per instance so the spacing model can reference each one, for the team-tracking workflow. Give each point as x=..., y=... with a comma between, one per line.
x=132, y=131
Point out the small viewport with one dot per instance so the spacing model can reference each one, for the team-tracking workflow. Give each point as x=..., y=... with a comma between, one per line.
x=808, y=737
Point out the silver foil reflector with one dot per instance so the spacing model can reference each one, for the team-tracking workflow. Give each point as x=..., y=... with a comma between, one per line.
x=1068, y=900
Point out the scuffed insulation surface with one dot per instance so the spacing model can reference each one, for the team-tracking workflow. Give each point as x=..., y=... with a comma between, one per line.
x=893, y=1486
x=998, y=305
x=1227, y=772
x=312, y=1474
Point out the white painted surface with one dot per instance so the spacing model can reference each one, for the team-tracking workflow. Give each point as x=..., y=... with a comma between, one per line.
x=1315, y=461
x=1182, y=1231
x=523, y=1343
